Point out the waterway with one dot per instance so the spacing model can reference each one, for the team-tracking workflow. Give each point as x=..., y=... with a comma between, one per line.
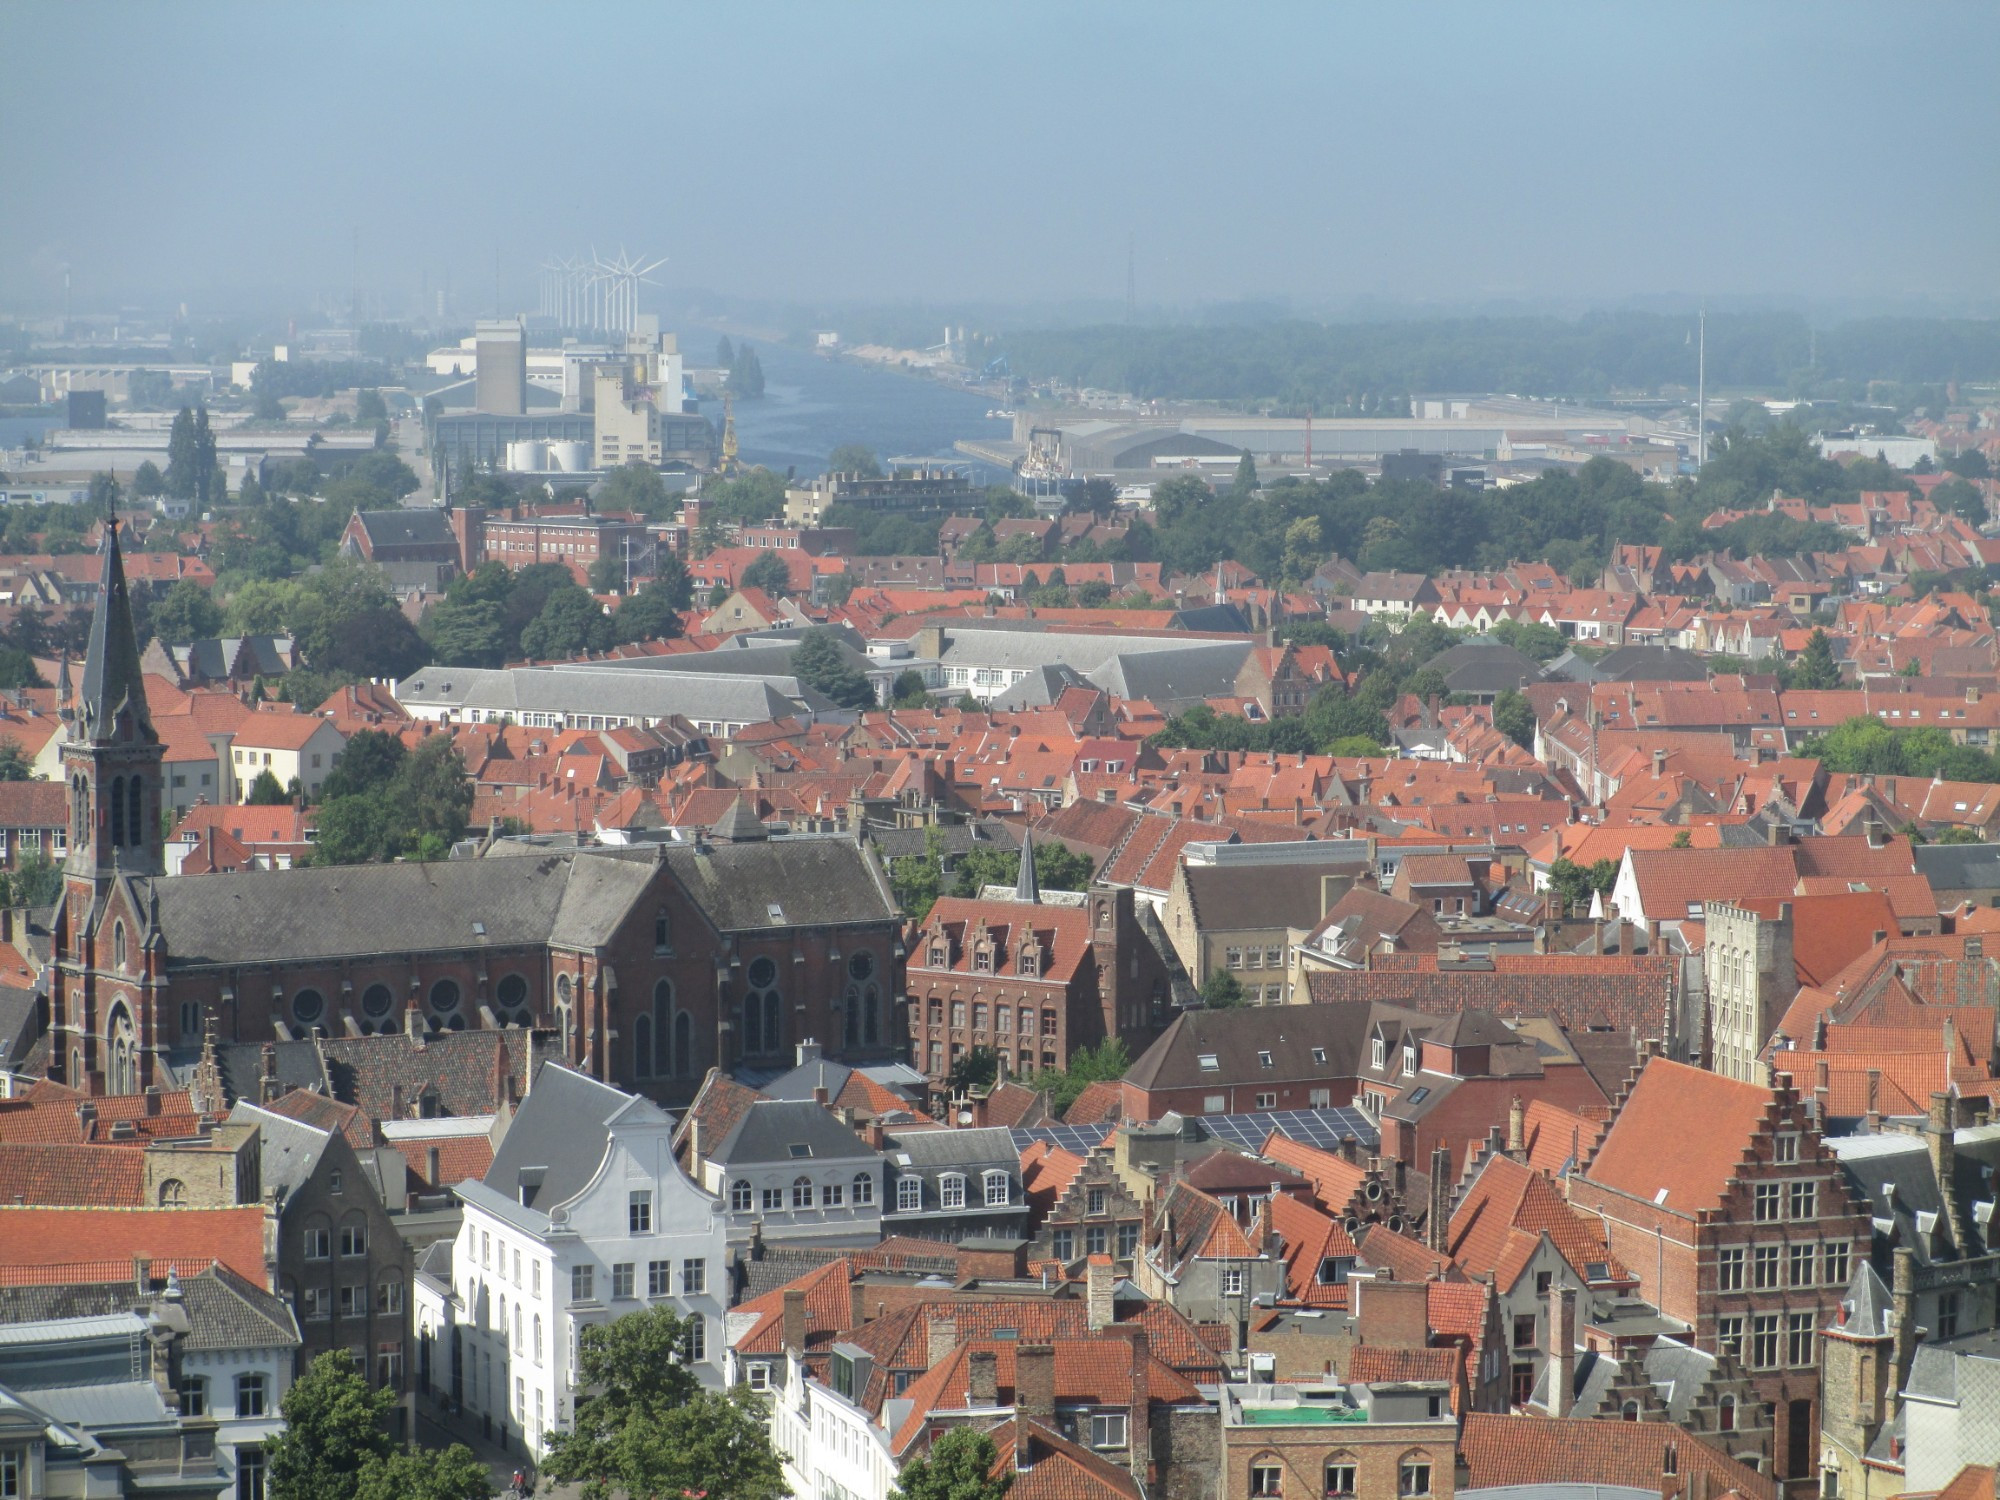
x=811, y=405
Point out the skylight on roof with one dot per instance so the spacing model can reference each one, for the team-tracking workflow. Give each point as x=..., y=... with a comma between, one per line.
x=775, y=912
x=1208, y=1062
x=800, y=1149
x=1263, y=1059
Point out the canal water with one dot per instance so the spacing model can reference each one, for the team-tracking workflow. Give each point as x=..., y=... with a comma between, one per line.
x=811, y=405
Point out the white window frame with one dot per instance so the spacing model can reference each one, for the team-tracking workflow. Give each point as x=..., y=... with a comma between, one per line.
x=951, y=1190
x=999, y=1193
x=909, y=1193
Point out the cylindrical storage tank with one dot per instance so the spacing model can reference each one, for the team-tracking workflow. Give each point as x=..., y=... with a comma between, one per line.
x=570, y=457
x=530, y=456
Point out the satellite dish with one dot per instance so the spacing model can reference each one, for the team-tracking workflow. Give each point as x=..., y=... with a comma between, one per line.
x=965, y=1117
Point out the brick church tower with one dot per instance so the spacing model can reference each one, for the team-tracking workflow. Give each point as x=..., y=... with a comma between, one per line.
x=103, y=1016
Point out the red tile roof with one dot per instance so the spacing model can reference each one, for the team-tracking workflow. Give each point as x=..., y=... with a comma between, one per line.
x=1680, y=1137
x=71, y=1176
x=1527, y=1450
x=50, y=1236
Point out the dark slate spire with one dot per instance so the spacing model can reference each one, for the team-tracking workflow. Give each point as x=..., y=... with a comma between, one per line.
x=1025, y=886
x=112, y=681
x=739, y=825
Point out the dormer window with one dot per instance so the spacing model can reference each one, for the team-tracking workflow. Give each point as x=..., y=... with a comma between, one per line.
x=951, y=1190
x=982, y=961
x=939, y=957
x=1409, y=1061
x=1031, y=961
x=1378, y=1053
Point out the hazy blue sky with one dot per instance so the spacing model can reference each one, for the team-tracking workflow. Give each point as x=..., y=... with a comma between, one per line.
x=1318, y=152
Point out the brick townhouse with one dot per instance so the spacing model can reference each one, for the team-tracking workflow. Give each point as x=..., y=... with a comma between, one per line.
x=1725, y=1204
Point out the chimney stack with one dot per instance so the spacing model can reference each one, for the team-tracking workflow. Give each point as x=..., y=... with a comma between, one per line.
x=943, y=1338
x=1517, y=1128
x=983, y=1379
x=1035, y=1381
x=1562, y=1349
x=1437, y=1222
x=1099, y=1277
x=795, y=1321
x=1939, y=1136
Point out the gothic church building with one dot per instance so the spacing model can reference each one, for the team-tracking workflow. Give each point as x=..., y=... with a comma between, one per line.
x=649, y=964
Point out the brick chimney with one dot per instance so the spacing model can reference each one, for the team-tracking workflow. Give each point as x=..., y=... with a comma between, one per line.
x=943, y=1338
x=1035, y=1381
x=1138, y=1424
x=1562, y=1349
x=1099, y=1276
x=1517, y=1128
x=1437, y=1221
x=983, y=1378
x=1939, y=1137
x=795, y=1320
x=267, y=1084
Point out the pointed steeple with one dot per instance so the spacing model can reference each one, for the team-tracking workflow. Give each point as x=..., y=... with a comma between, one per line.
x=1025, y=886
x=112, y=681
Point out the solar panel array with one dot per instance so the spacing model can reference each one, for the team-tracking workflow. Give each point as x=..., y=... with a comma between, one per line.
x=1313, y=1127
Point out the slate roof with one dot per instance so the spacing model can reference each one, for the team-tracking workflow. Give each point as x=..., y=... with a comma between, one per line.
x=409, y=527
x=344, y=911
x=469, y=1072
x=1236, y=1038
x=1959, y=867
x=1230, y=898
x=224, y=1311
x=1483, y=665
x=770, y=1129
x=988, y=1145
x=291, y=1149
x=559, y=1128
x=815, y=880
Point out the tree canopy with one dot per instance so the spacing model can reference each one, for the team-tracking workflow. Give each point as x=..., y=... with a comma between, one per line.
x=645, y=1428
x=959, y=1466
x=818, y=664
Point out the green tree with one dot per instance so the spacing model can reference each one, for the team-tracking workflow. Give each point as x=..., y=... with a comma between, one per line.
x=103, y=495
x=1959, y=498
x=1682, y=840
x=636, y=487
x=468, y=632
x=1514, y=717
x=607, y=575
x=959, y=1466
x=37, y=881
x=817, y=662
x=917, y=880
x=267, y=791
x=369, y=763
x=1815, y=669
x=370, y=407
x=183, y=457
x=651, y=614
x=1220, y=991
x=1244, y=486
x=453, y=1473
x=768, y=573
x=334, y=1428
x=648, y=1430
x=1056, y=869
x=854, y=458
x=571, y=622
x=149, y=483
x=1107, y=1062
x=746, y=373
x=1576, y=884
x=725, y=352
x=15, y=764
x=1970, y=463
x=908, y=691
x=186, y=612
x=973, y=1070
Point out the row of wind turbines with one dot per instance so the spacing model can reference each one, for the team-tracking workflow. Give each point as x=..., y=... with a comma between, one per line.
x=594, y=292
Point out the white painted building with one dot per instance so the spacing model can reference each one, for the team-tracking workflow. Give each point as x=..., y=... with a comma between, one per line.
x=584, y=1217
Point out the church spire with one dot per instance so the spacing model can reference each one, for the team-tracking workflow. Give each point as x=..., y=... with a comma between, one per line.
x=113, y=683
x=1025, y=886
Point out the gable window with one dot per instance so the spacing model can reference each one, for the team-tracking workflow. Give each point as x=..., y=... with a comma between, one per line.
x=909, y=1194
x=1063, y=1242
x=951, y=1190
x=739, y=1196
x=864, y=1189
x=639, y=1212
x=1764, y=1267
x=663, y=932
x=1378, y=1053
x=1834, y=1264
x=1804, y=1200
x=1128, y=1241
x=353, y=1239
x=1729, y=1271
x=996, y=1190
x=1409, y=1061
x=1764, y=1204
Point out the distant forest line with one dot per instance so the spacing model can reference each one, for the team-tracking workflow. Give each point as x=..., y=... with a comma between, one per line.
x=1353, y=368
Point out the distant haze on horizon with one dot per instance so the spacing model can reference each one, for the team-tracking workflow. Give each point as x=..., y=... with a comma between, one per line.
x=1318, y=156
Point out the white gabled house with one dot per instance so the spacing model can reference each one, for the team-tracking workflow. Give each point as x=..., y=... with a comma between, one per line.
x=583, y=1217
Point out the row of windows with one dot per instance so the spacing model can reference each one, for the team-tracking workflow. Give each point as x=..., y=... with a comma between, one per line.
x=624, y=1279
x=1413, y=1476
x=353, y=1242
x=252, y=1396
x=1794, y=1334
x=1098, y=1239
x=1253, y=958
x=316, y=1302
x=1771, y=1201
x=804, y=1193
x=1003, y=1017
x=1772, y=1266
